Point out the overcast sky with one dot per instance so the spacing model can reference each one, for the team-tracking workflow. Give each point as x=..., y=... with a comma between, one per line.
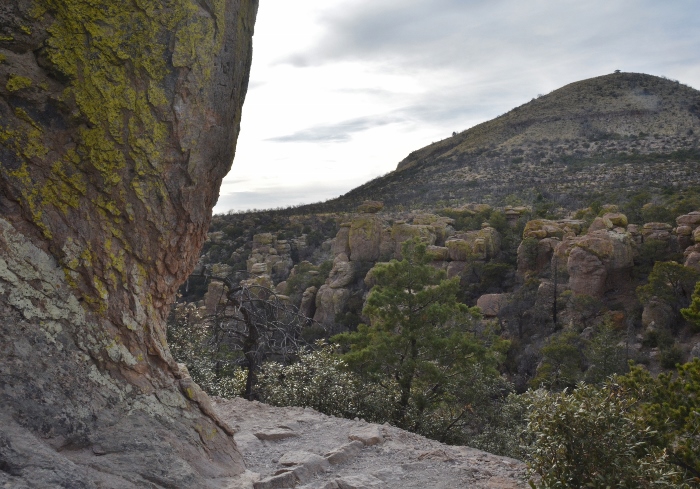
x=342, y=90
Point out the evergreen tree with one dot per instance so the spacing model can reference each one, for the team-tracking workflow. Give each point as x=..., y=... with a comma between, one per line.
x=604, y=355
x=420, y=343
x=671, y=283
x=692, y=312
x=562, y=359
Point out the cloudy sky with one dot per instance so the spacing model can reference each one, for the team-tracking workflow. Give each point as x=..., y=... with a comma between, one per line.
x=342, y=90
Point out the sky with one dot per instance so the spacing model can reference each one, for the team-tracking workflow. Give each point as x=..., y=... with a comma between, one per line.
x=342, y=90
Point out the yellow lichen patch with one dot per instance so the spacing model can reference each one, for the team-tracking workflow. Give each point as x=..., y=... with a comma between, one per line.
x=31, y=196
x=17, y=82
x=116, y=56
x=23, y=115
x=37, y=11
x=207, y=433
x=3, y=58
x=26, y=29
x=63, y=190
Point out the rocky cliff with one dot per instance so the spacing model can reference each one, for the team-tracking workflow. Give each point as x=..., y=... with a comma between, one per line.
x=118, y=121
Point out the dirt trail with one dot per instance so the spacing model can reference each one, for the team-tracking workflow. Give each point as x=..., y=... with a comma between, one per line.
x=302, y=448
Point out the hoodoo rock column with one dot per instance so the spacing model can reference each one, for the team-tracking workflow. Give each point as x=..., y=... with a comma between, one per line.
x=118, y=121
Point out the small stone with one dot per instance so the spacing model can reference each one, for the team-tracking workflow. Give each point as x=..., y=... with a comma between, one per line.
x=344, y=453
x=275, y=434
x=299, y=457
x=362, y=481
x=285, y=480
x=368, y=436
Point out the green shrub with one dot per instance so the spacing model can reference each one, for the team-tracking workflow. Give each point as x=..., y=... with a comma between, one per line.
x=591, y=437
x=670, y=406
x=320, y=380
x=671, y=356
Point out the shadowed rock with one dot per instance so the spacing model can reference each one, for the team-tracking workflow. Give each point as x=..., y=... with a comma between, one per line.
x=118, y=122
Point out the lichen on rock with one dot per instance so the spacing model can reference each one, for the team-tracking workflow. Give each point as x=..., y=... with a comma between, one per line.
x=118, y=121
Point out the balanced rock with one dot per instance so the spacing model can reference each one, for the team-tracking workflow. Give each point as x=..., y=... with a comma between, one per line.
x=656, y=230
x=617, y=219
x=543, y=228
x=370, y=207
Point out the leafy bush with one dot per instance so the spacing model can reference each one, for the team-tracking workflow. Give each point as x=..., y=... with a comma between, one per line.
x=321, y=380
x=212, y=366
x=592, y=438
x=671, y=356
x=671, y=407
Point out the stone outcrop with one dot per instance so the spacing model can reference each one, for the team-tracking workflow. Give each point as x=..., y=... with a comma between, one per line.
x=364, y=237
x=369, y=237
x=270, y=256
x=535, y=257
x=596, y=259
x=491, y=304
x=481, y=245
x=343, y=272
x=308, y=302
x=657, y=315
x=329, y=303
x=117, y=125
x=692, y=257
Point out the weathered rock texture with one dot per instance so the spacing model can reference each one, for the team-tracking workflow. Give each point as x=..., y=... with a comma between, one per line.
x=118, y=121
x=309, y=450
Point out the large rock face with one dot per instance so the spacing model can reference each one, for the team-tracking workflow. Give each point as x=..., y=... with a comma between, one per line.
x=117, y=123
x=597, y=260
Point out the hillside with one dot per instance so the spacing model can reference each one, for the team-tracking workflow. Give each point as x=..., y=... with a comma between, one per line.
x=607, y=138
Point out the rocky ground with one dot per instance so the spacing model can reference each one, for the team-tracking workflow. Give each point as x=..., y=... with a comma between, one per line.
x=302, y=448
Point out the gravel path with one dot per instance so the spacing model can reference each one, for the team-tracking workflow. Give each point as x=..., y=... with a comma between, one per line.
x=297, y=447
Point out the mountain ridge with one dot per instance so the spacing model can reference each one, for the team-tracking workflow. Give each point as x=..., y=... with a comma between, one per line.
x=649, y=122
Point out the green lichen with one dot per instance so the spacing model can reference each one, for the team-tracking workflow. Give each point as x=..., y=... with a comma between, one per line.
x=26, y=29
x=117, y=56
x=17, y=82
x=3, y=58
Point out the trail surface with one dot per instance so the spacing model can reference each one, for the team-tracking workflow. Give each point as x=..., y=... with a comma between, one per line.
x=302, y=448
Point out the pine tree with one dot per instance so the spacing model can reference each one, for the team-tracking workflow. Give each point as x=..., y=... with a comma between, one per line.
x=692, y=312
x=420, y=342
